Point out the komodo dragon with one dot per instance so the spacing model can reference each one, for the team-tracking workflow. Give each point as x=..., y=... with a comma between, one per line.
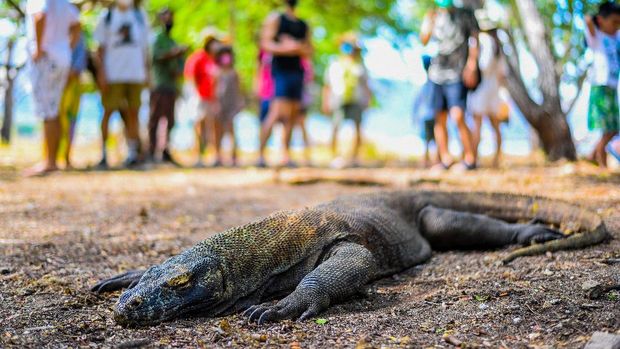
x=318, y=256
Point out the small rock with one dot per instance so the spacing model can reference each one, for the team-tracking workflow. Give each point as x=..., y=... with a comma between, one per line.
x=517, y=320
x=5, y=271
x=533, y=336
x=590, y=284
x=483, y=306
x=602, y=340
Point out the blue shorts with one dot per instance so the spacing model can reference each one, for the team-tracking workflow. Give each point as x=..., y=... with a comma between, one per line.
x=264, y=110
x=448, y=96
x=289, y=84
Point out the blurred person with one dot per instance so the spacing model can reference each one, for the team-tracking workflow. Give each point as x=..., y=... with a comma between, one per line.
x=122, y=34
x=287, y=38
x=167, y=68
x=424, y=111
x=602, y=38
x=52, y=28
x=200, y=69
x=452, y=72
x=230, y=100
x=346, y=94
x=70, y=102
x=486, y=100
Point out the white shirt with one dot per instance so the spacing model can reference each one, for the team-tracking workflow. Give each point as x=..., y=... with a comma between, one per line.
x=60, y=15
x=125, y=43
x=606, y=65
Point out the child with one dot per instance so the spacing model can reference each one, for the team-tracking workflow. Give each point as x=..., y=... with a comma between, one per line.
x=602, y=38
x=228, y=93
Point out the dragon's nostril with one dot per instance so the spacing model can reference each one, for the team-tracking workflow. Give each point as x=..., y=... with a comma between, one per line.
x=135, y=302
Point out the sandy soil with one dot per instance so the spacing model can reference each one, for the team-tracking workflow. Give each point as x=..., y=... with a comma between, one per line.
x=60, y=234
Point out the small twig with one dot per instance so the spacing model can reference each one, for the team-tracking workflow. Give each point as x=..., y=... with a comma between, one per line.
x=611, y=261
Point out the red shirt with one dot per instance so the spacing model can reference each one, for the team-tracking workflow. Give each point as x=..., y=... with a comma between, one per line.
x=200, y=67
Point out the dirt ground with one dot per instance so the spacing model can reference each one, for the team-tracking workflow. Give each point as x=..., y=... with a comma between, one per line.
x=60, y=234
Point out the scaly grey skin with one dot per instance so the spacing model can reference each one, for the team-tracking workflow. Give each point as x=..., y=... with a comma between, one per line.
x=317, y=257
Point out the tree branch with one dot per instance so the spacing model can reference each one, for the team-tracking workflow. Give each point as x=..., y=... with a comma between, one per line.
x=16, y=7
x=580, y=81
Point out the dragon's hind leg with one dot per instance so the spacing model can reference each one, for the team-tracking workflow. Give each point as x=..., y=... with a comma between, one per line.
x=448, y=229
x=345, y=269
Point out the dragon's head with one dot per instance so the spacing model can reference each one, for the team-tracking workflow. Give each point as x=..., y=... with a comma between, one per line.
x=183, y=284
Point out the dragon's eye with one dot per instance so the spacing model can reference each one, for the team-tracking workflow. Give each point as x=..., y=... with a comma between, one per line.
x=179, y=281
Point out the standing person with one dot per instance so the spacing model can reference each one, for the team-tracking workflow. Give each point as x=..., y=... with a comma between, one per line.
x=602, y=38
x=230, y=100
x=200, y=69
x=122, y=35
x=287, y=38
x=52, y=29
x=70, y=103
x=453, y=70
x=346, y=94
x=424, y=111
x=485, y=100
x=167, y=68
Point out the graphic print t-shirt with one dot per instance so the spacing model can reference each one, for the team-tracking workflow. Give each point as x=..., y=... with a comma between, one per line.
x=124, y=37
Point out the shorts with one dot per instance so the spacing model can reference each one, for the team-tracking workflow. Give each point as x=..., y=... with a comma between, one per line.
x=603, y=110
x=162, y=105
x=122, y=96
x=448, y=96
x=351, y=111
x=48, y=83
x=289, y=84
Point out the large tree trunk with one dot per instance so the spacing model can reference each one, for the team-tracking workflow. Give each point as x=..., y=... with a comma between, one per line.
x=5, y=131
x=547, y=118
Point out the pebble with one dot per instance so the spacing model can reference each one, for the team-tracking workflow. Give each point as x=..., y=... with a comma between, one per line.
x=517, y=320
x=483, y=306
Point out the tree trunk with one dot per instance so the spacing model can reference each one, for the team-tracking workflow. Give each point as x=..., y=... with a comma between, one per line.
x=5, y=131
x=546, y=118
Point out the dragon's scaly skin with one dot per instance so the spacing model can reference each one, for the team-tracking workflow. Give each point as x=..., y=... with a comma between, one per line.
x=318, y=256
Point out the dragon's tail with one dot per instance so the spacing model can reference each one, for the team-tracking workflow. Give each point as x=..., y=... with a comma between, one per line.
x=582, y=226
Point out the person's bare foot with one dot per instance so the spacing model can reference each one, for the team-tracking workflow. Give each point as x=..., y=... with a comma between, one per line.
x=39, y=170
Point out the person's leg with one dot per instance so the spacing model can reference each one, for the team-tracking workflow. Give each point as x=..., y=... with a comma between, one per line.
x=52, y=132
x=441, y=138
x=477, y=131
x=495, y=123
x=601, y=153
x=301, y=122
x=217, y=134
x=290, y=119
x=276, y=109
x=154, y=117
x=133, y=124
x=458, y=114
x=105, y=125
x=70, y=135
x=230, y=129
x=170, y=102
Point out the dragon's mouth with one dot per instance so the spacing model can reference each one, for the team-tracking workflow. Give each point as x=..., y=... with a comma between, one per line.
x=196, y=309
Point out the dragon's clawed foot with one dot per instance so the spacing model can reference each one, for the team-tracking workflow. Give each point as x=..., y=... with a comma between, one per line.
x=536, y=233
x=290, y=307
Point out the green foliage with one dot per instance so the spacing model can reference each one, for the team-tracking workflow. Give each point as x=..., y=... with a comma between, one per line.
x=321, y=321
x=243, y=19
